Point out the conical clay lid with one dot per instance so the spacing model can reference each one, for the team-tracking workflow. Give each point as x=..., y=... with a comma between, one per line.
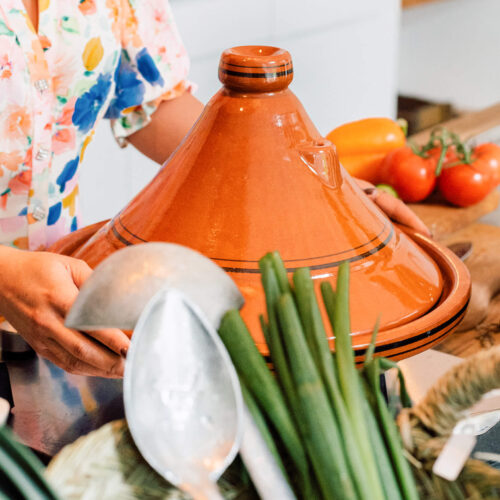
x=254, y=175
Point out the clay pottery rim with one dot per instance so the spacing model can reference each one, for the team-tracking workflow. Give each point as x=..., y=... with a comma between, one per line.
x=432, y=328
x=411, y=338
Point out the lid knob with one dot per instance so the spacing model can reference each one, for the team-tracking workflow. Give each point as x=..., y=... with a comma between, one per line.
x=256, y=68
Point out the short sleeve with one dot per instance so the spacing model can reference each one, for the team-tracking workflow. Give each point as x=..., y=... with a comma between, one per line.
x=153, y=65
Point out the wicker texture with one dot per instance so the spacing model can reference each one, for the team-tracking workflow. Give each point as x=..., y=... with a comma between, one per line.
x=426, y=428
x=106, y=465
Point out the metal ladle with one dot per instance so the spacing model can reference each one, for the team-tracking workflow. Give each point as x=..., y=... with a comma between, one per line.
x=117, y=292
x=182, y=396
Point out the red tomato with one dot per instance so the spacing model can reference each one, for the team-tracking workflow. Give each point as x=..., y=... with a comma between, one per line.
x=411, y=175
x=465, y=184
x=486, y=157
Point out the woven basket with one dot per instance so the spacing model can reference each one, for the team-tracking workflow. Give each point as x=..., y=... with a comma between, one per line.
x=426, y=428
x=106, y=465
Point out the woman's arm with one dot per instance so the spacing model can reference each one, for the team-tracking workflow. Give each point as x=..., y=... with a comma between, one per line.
x=169, y=124
x=36, y=291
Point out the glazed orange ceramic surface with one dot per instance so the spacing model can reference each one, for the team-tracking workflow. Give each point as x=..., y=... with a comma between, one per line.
x=254, y=175
x=428, y=330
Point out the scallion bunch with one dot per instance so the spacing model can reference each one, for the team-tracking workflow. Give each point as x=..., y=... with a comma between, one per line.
x=326, y=423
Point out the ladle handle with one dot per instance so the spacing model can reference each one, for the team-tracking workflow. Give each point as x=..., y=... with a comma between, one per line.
x=212, y=494
x=261, y=465
x=209, y=491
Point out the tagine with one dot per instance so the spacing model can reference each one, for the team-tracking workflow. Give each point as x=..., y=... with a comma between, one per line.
x=255, y=175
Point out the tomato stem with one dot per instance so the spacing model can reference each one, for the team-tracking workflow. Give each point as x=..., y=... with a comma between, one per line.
x=442, y=156
x=463, y=151
x=441, y=136
x=418, y=150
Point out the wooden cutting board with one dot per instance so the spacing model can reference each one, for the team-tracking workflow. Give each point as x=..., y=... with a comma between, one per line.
x=467, y=125
x=480, y=328
x=483, y=336
x=443, y=219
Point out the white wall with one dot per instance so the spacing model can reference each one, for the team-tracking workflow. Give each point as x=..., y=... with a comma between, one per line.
x=344, y=52
x=450, y=52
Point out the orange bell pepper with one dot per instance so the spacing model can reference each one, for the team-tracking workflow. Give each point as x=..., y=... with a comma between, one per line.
x=363, y=144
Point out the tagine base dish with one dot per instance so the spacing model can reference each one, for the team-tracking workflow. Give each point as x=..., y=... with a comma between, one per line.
x=410, y=338
x=433, y=327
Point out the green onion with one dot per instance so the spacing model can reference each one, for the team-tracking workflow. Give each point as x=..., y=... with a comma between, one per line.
x=384, y=464
x=272, y=288
x=265, y=328
x=22, y=469
x=280, y=270
x=387, y=364
x=390, y=433
x=253, y=370
x=321, y=433
x=322, y=410
x=348, y=376
x=272, y=292
x=25, y=489
x=312, y=323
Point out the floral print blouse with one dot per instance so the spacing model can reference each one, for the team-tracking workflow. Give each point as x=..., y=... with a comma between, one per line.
x=91, y=59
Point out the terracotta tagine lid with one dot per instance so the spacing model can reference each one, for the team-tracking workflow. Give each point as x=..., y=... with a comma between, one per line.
x=254, y=175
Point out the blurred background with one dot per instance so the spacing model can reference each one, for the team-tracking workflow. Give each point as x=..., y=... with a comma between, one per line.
x=426, y=60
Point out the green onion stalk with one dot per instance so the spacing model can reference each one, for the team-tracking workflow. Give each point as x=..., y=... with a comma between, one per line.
x=257, y=378
x=338, y=312
x=318, y=344
x=322, y=434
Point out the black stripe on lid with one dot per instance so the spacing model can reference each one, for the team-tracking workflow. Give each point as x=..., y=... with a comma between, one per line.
x=269, y=76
